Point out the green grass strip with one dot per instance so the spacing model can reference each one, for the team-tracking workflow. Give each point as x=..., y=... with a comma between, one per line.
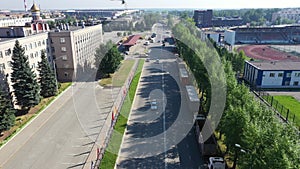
x=111, y=153
x=289, y=102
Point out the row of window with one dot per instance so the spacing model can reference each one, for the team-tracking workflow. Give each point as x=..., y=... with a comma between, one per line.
x=281, y=75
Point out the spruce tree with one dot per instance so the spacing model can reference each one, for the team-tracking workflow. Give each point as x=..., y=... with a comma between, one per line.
x=47, y=78
x=26, y=88
x=7, y=112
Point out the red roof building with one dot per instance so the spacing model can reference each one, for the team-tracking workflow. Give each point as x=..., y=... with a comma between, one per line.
x=131, y=40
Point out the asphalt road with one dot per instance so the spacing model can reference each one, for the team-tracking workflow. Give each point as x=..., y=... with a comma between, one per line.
x=63, y=135
x=161, y=138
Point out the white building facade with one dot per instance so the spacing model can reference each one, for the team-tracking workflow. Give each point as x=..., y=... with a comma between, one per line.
x=275, y=74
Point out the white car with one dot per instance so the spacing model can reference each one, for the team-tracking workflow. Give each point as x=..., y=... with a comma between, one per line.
x=153, y=104
x=216, y=163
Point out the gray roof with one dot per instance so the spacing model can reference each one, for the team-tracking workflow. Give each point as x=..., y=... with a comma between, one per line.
x=276, y=65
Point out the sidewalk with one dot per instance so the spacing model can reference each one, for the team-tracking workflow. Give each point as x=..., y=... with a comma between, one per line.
x=15, y=143
x=103, y=137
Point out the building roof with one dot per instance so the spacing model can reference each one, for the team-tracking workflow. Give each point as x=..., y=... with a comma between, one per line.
x=34, y=8
x=276, y=65
x=131, y=40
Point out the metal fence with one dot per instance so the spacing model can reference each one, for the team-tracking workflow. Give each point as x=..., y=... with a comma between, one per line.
x=283, y=112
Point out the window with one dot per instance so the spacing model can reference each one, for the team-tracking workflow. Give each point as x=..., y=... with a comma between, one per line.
x=63, y=49
x=280, y=74
x=66, y=74
x=9, y=64
x=288, y=75
x=39, y=43
x=52, y=49
x=272, y=74
x=31, y=55
x=287, y=83
x=1, y=55
x=2, y=67
x=64, y=57
x=30, y=45
x=7, y=52
x=297, y=74
x=296, y=83
x=62, y=40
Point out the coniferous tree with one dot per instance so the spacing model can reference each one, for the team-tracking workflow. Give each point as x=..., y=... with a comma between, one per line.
x=26, y=88
x=47, y=79
x=7, y=112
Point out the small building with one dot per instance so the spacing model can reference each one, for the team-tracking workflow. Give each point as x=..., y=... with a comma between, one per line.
x=131, y=41
x=272, y=74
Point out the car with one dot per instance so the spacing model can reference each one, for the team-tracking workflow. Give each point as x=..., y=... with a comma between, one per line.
x=147, y=60
x=216, y=163
x=156, y=61
x=153, y=104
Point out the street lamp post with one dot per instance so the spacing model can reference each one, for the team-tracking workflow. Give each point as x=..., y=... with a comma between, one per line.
x=238, y=147
x=54, y=66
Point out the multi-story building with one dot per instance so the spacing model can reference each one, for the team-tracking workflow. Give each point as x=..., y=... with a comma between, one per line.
x=33, y=46
x=73, y=50
x=203, y=18
x=274, y=74
x=5, y=22
x=291, y=14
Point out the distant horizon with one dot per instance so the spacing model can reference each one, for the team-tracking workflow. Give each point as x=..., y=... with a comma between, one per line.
x=18, y=5
x=179, y=9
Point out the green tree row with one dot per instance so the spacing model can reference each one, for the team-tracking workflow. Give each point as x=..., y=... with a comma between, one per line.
x=268, y=142
x=27, y=88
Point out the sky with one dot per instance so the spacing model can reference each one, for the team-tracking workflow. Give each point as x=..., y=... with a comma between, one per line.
x=101, y=4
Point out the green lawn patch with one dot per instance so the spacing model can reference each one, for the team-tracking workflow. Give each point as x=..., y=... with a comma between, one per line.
x=111, y=153
x=292, y=104
x=118, y=78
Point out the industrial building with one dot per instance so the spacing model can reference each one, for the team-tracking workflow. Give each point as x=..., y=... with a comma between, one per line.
x=272, y=74
x=204, y=19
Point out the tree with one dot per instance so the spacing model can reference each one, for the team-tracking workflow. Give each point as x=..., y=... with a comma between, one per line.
x=26, y=88
x=110, y=61
x=119, y=34
x=47, y=78
x=7, y=112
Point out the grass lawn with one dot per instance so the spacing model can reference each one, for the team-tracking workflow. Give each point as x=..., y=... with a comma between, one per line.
x=22, y=120
x=111, y=153
x=291, y=103
x=119, y=77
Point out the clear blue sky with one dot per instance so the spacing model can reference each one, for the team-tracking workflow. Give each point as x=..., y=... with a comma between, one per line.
x=200, y=4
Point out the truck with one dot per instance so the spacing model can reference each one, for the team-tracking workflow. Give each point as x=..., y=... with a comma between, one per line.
x=208, y=147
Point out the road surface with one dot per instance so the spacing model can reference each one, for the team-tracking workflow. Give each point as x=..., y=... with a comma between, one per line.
x=62, y=136
x=146, y=144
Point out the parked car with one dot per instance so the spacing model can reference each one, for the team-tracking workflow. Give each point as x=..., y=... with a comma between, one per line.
x=216, y=163
x=147, y=60
x=156, y=61
x=153, y=104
